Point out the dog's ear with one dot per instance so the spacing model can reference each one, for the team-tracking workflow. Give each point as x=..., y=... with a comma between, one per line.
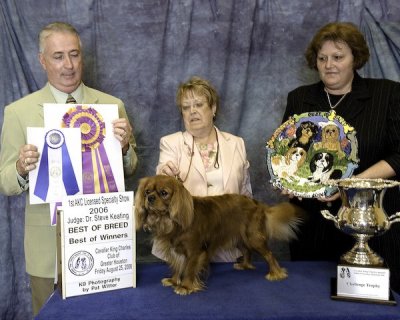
x=315, y=128
x=313, y=165
x=288, y=155
x=181, y=207
x=299, y=130
x=139, y=204
x=303, y=158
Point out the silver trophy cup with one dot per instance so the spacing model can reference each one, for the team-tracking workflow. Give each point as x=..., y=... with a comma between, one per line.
x=362, y=216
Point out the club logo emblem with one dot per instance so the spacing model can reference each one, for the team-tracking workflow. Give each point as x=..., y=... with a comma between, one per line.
x=80, y=263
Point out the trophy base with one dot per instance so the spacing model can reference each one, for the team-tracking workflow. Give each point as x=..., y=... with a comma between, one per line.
x=365, y=257
x=335, y=296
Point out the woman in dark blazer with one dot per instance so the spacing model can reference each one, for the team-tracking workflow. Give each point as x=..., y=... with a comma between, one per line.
x=372, y=107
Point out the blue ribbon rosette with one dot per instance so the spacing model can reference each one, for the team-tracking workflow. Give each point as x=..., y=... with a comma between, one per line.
x=51, y=168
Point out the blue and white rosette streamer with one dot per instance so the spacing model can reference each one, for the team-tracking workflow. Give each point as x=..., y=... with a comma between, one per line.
x=55, y=172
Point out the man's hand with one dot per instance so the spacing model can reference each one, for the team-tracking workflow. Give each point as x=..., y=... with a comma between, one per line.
x=122, y=131
x=27, y=159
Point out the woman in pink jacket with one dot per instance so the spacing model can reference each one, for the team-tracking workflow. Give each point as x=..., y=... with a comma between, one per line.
x=206, y=160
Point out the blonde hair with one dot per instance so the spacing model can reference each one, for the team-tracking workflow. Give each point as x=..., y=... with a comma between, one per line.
x=198, y=86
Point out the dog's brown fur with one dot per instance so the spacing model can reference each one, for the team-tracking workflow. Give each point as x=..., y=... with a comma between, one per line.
x=190, y=229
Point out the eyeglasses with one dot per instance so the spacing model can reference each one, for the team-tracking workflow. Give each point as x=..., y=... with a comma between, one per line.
x=196, y=104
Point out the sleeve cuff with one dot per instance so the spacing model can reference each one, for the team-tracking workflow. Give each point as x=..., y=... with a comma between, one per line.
x=23, y=182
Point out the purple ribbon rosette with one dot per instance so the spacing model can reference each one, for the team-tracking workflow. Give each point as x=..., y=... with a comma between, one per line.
x=97, y=173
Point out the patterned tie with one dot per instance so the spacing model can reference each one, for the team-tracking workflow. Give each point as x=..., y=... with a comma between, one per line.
x=70, y=99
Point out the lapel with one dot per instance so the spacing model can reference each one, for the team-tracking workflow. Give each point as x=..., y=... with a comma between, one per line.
x=227, y=149
x=45, y=97
x=197, y=162
x=88, y=95
x=357, y=99
x=315, y=99
x=355, y=103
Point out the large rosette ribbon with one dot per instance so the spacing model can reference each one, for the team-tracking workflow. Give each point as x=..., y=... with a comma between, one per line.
x=97, y=173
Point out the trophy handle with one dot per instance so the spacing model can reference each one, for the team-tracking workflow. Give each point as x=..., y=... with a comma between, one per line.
x=329, y=216
x=394, y=218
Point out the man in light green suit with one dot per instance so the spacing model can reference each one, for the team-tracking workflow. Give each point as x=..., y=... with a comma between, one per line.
x=61, y=57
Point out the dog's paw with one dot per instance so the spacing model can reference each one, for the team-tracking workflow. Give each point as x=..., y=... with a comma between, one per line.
x=276, y=275
x=168, y=282
x=183, y=291
x=243, y=266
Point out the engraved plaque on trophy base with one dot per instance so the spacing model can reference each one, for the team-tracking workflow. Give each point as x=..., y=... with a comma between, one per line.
x=362, y=284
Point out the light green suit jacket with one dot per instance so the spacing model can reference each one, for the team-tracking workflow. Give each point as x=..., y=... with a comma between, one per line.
x=40, y=237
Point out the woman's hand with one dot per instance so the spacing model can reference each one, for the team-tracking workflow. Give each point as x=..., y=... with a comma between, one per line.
x=290, y=195
x=170, y=169
x=331, y=198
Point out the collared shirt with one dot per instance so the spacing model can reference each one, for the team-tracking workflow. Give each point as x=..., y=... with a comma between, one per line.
x=61, y=97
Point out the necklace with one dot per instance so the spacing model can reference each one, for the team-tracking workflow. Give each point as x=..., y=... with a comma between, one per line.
x=177, y=177
x=337, y=103
x=216, y=163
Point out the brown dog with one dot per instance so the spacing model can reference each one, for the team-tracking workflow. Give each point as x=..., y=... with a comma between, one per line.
x=330, y=140
x=191, y=229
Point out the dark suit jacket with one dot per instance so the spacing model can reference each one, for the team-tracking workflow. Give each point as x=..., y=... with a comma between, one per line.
x=373, y=108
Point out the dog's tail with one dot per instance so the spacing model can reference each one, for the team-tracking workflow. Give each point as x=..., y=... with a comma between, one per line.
x=283, y=220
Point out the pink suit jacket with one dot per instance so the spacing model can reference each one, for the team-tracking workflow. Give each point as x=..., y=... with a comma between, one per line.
x=177, y=147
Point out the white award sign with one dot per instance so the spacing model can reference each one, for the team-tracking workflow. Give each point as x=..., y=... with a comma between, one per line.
x=98, y=245
x=363, y=282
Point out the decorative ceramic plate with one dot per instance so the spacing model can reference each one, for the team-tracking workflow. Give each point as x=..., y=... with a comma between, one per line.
x=309, y=149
